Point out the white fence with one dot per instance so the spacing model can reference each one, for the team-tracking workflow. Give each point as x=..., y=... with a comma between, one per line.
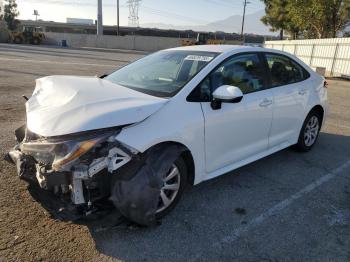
x=332, y=54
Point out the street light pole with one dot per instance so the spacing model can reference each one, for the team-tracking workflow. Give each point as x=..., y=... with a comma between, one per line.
x=118, y=32
x=99, y=18
x=242, y=32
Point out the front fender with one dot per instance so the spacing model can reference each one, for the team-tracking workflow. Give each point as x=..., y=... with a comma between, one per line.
x=183, y=124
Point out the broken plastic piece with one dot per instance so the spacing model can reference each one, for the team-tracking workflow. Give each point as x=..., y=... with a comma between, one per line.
x=138, y=197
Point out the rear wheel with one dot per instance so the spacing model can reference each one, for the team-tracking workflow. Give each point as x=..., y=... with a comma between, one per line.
x=309, y=132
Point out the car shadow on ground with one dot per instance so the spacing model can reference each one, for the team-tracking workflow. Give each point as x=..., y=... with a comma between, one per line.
x=212, y=209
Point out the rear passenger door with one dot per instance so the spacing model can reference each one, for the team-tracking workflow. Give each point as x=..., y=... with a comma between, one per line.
x=290, y=91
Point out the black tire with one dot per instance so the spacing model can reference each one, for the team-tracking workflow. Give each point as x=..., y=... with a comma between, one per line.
x=136, y=189
x=18, y=40
x=182, y=167
x=302, y=145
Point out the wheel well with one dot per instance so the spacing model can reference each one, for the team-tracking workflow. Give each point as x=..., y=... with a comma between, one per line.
x=188, y=158
x=319, y=110
x=190, y=165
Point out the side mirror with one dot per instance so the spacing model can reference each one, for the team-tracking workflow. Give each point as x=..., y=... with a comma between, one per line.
x=226, y=94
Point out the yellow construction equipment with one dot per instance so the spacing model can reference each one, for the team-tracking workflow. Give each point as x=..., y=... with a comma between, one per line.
x=202, y=39
x=30, y=34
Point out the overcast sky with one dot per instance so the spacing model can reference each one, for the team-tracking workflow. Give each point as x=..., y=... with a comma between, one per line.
x=177, y=12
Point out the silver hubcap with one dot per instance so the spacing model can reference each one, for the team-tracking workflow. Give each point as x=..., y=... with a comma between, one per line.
x=171, y=186
x=311, y=131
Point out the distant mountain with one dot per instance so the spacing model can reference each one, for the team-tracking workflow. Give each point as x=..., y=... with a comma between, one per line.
x=231, y=24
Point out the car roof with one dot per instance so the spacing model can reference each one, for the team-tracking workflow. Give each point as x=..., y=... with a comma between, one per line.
x=222, y=49
x=217, y=48
x=229, y=48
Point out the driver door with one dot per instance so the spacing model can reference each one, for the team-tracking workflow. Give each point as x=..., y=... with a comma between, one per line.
x=240, y=130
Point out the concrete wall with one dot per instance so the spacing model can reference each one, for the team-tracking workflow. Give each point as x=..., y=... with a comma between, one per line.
x=142, y=43
x=332, y=53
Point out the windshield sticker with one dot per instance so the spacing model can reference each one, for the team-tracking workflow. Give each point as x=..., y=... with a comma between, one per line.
x=199, y=58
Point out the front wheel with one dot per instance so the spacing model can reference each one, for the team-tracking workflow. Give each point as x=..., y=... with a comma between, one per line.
x=309, y=132
x=149, y=187
x=174, y=183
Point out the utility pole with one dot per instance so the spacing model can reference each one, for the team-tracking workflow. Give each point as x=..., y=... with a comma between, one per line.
x=99, y=18
x=118, y=32
x=242, y=32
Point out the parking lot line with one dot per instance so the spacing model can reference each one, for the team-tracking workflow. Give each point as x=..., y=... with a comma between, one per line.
x=235, y=234
x=53, y=62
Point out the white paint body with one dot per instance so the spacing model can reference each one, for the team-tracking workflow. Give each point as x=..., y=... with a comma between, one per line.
x=227, y=93
x=68, y=104
x=264, y=122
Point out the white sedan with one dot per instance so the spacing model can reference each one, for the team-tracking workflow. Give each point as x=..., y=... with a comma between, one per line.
x=180, y=116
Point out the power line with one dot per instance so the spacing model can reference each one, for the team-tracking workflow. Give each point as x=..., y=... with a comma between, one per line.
x=167, y=14
x=163, y=13
x=67, y=2
x=172, y=14
x=224, y=4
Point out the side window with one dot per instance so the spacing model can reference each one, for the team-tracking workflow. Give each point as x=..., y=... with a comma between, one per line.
x=243, y=71
x=284, y=71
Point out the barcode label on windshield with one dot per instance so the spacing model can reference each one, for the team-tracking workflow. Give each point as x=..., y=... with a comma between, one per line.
x=199, y=58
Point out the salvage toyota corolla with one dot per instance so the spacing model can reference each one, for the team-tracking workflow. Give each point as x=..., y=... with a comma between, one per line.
x=137, y=136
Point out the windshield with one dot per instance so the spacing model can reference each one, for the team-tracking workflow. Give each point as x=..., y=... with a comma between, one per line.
x=163, y=73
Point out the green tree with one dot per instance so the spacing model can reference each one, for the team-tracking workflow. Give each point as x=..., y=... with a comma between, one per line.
x=10, y=14
x=315, y=19
x=321, y=18
x=309, y=16
x=339, y=13
x=279, y=18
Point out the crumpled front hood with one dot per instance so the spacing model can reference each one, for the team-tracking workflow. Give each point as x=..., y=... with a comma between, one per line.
x=63, y=105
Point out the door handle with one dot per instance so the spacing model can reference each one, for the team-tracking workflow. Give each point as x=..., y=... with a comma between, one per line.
x=266, y=102
x=302, y=92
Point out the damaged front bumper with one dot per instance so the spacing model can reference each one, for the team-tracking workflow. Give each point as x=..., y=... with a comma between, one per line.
x=27, y=169
x=83, y=181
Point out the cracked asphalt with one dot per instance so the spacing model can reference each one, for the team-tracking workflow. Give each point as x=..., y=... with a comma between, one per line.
x=286, y=207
